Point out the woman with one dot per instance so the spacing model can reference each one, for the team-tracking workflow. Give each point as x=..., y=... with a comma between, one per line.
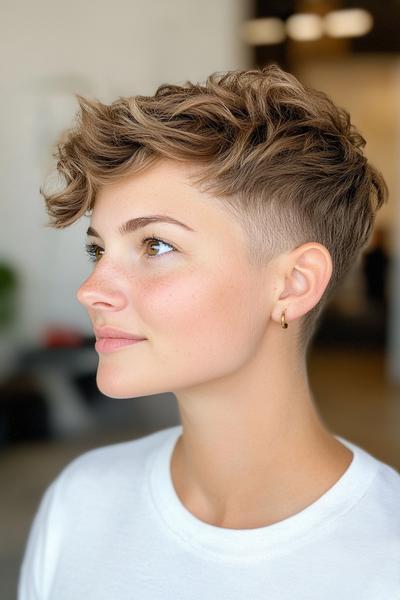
x=223, y=216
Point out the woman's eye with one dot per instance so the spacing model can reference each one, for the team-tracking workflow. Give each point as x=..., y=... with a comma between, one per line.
x=151, y=242
x=91, y=251
x=156, y=242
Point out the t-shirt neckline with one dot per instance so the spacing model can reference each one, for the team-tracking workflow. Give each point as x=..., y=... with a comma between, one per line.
x=248, y=544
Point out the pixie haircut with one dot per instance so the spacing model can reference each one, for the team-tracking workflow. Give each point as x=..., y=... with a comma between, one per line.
x=281, y=157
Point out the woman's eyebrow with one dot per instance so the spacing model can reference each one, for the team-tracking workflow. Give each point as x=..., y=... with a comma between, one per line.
x=138, y=222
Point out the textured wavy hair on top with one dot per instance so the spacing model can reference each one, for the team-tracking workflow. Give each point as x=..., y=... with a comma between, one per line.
x=282, y=157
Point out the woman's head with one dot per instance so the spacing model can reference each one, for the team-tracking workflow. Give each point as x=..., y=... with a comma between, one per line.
x=186, y=287
x=281, y=159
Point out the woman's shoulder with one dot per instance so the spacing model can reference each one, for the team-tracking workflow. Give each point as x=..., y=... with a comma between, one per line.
x=104, y=472
x=385, y=489
x=85, y=501
x=114, y=459
x=378, y=507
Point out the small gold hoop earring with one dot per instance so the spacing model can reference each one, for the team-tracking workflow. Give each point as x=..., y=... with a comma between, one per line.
x=283, y=322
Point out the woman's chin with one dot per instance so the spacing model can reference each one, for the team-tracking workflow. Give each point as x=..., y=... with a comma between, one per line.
x=112, y=388
x=118, y=387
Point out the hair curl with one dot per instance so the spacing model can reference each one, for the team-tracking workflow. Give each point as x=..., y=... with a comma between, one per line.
x=281, y=156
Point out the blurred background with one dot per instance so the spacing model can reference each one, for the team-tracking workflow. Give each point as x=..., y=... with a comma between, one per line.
x=50, y=408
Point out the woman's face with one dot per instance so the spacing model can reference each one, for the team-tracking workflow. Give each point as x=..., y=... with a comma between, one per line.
x=201, y=307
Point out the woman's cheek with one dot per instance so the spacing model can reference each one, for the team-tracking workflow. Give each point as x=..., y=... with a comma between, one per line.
x=195, y=309
x=176, y=302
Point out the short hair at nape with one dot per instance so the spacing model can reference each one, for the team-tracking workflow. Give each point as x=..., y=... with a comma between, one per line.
x=281, y=156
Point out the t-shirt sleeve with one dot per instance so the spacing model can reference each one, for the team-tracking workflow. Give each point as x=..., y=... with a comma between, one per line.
x=42, y=548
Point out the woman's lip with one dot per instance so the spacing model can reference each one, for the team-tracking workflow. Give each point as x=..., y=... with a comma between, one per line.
x=112, y=344
x=111, y=332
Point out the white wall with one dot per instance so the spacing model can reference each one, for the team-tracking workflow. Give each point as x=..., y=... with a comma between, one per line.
x=51, y=50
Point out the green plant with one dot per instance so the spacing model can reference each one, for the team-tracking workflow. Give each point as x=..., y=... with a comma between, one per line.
x=8, y=293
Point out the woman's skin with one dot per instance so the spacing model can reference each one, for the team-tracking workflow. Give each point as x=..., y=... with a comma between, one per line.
x=254, y=449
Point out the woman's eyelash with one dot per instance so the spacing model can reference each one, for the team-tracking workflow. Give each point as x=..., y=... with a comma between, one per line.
x=91, y=249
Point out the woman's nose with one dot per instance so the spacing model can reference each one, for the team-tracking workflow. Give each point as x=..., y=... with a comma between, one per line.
x=95, y=294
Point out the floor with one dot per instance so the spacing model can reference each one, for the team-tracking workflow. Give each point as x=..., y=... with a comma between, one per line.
x=350, y=390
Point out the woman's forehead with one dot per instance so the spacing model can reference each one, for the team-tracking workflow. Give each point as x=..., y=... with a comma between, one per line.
x=162, y=191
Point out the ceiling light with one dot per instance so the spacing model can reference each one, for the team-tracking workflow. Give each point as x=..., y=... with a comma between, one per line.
x=267, y=30
x=350, y=22
x=305, y=27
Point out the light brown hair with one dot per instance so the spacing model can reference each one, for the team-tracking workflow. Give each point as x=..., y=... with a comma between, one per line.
x=282, y=157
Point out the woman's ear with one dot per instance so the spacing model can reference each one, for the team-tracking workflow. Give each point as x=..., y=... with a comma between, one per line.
x=305, y=273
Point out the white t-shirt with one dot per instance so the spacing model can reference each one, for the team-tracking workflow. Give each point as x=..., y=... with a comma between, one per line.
x=111, y=527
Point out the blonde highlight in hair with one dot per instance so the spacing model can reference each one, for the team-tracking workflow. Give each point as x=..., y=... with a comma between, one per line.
x=280, y=156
